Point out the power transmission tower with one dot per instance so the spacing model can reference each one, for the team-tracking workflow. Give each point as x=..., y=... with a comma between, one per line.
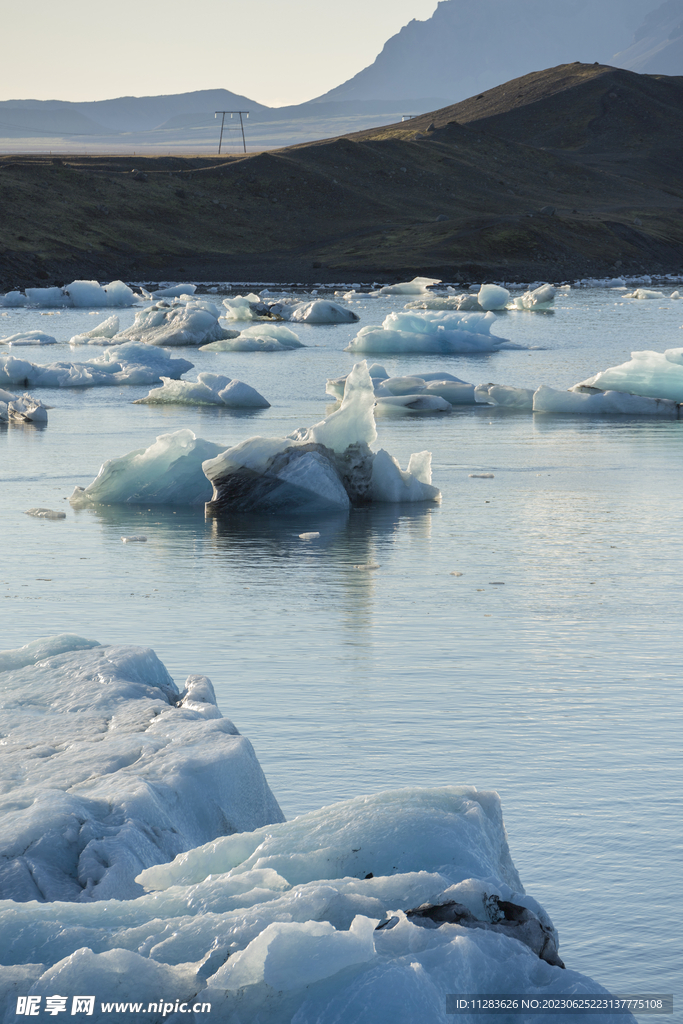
x=231, y=112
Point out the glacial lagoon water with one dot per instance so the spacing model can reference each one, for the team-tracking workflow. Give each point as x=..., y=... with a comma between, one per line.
x=548, y=670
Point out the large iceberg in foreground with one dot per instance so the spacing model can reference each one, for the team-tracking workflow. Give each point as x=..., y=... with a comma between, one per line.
x=131, y=363
x=328, y=467
x=209, y=389
x=370, y=910
x=647, y=373
x=169, y=472
x=109, y=769
x=431, y=332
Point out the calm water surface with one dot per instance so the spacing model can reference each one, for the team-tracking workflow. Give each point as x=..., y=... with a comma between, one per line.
x=549, y=670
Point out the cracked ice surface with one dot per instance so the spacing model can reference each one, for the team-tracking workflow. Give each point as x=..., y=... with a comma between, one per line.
x=109, y=769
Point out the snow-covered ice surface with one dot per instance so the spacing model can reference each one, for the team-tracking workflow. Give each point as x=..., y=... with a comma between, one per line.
x=380, y=655
x=438, y=333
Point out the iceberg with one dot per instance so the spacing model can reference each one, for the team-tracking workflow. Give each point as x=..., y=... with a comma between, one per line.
x=210, y=389
x=110, y=769
x=81, y=294
x=464, y=302
x=175, y=291
x=169, y=472
x=441, y=384
x=493, y=296
x=29, y=338
x=418, y=286
x=369, y=910
x=647, y=373
x=505, y=395
x=602, y=403
x=320, y=311
x=187, y=321
x=263, y=337
x=130, y=363
x=540, y=298
x=440, y=333
x=103, y=334
x=645, y=293
x=327, y=467
x=244, y=307
x=24, y=409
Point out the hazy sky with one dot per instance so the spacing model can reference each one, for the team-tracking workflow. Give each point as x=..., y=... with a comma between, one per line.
x=273, y=51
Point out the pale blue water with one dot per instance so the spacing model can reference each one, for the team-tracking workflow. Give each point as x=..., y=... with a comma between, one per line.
x=558, y=688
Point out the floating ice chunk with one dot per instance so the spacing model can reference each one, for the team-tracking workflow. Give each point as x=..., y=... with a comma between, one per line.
x=174, y=291
x=647, y=373
x=463, y=302
x=505, y=395
x=210, y=389
x=415, y=287
x=411, y=405
x=14, y=299
x=27, y=409
x=48, y=297
x=29, y=338
x=675, y=295
x=540, y=298
x=309, y=536
x=239, y=307
x=429, y=332
x=45, y=513
x=109, y=769
x=645, y=293
x=100, y=335
x=602, y=403
x=82, y=294
x=263, y=337
x=185, y=323
x=168, y=472
x=135, y=538
x=492, y=296
x=330, y=465
x=323, y=312
x=131, y=363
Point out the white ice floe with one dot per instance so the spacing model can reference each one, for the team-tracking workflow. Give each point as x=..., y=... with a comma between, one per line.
x=209, y=389
x=45, y=513
x=464, y=302
x=493, y=296
x=418, y=286
x=131, y=363
x=431, y=332
x=175, y=291
x=321, y=311
x=327, y=467
x=103, y=334
x=505, y=395
x=263, y=337
x=538, y=298
x=440, y=384
x=28, y=338
x=370, y=910
x=647, y=373
x=184, y=321
x=169, y=472
x=240, y=307
x=109, y=769
x=602, y=403
x=645, y=293
x=79, y=293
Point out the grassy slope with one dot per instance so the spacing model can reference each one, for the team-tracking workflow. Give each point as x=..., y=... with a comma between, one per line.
x=599, y=145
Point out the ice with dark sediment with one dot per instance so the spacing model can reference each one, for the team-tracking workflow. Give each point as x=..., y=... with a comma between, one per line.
x=181, y=321
x=21, y=408
x=647, y=373
x=262, y=337
x=440, y=332
x=130, y=363
x=327, y=467
x=169, y=472
x=109, y=768
x=208, y=389
x=82, y=294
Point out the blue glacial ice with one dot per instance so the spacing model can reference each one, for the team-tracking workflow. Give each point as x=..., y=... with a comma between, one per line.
x=81, y=294
x=131, y=363
x=169, y=472
x=327, y=467
x=209, y=389
x=587, y=402
x=647, y=373
x=440, y=332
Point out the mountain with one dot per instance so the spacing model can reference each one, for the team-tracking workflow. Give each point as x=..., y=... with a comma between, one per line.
x=658, y=44
x=465, y=48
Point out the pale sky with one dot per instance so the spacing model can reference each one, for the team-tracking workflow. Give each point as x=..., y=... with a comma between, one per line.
x=273, y=51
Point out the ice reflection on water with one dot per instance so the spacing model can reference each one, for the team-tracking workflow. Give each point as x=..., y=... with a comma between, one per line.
x=549, y=670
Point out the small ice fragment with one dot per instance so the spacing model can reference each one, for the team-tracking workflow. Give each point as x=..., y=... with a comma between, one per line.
x=45, y=513
x=456, y=574
x=308, y=536
x=135, y=537
x=367, y=566
x=496, y=583
x=481, y=476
